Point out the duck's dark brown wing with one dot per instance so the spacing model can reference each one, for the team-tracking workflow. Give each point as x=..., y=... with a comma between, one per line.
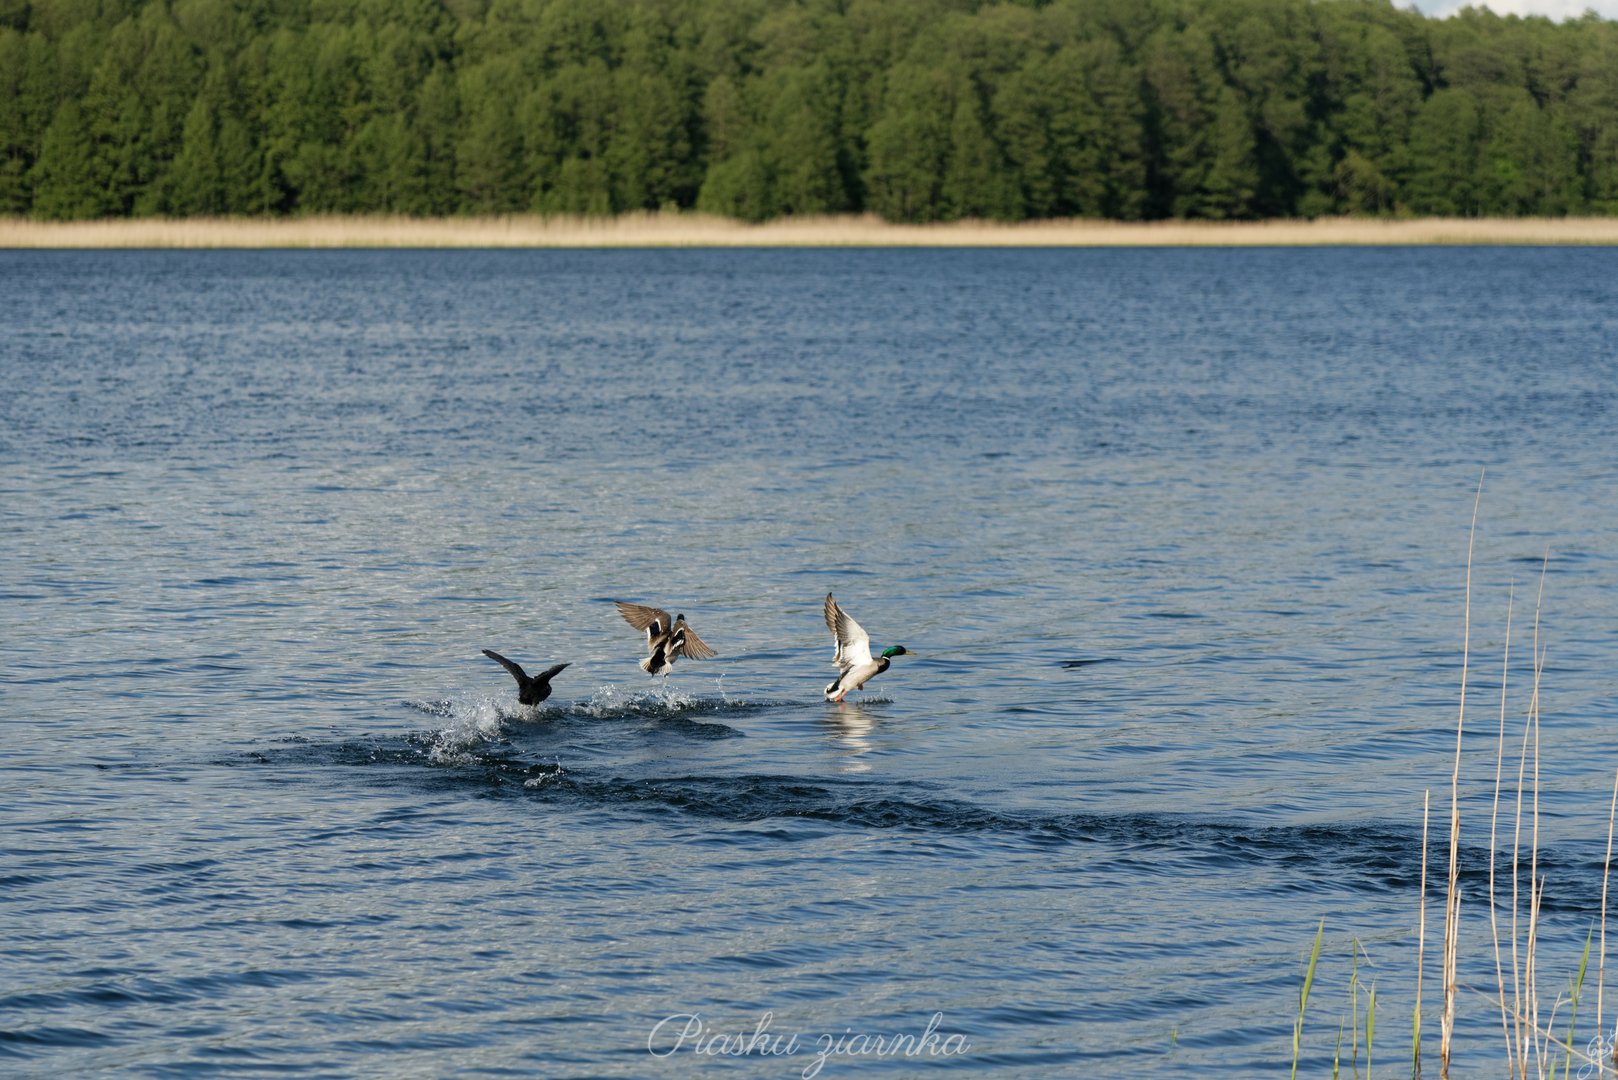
x=640, y=616
x=549, y=673
x=694, y=647
x=516, y=672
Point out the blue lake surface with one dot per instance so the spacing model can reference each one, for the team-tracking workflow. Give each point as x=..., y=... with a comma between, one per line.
x=1178, y=537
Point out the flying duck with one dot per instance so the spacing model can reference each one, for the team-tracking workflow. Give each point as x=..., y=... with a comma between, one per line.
x=853, y=653
x=666, y=638
x=531, y=690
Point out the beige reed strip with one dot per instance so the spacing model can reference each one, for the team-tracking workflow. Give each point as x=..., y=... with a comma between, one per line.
x=698, y=230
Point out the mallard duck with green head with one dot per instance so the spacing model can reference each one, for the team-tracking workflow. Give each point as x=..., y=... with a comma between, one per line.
x=853, y=653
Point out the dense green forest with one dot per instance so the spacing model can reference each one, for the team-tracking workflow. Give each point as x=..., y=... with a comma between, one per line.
x=917, y=110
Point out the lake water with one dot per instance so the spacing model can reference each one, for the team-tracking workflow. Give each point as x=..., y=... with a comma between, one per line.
x=1178, y=538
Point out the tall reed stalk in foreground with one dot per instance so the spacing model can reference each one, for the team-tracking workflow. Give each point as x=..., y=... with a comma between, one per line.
x=1528, y=1038
x=1452, y=904
x=1421, y=943
x=1519, y=1013
x=1494, y=818
x=1601, y=962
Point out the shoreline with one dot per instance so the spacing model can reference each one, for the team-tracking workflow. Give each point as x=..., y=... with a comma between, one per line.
x=683, y=230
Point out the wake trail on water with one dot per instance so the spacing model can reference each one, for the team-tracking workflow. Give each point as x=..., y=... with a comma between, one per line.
x=476, y=753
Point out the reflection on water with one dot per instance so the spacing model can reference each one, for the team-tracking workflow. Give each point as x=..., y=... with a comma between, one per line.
x=850, y=725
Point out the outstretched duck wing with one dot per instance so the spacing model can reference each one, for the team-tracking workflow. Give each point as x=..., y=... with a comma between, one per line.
x=640, y=616
x=516, y=672
x=853, y=643
x=694, y=647
x=549, y=673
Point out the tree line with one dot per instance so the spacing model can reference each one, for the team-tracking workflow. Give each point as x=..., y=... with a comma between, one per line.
x=916, y=110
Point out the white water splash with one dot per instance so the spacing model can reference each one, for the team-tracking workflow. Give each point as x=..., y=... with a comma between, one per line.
x=473, y=725
x=610, y=703
x=545, y=778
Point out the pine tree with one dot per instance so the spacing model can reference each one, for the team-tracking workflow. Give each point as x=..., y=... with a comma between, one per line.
x=196, y=181
x=391, y=163
x=582, y=187
x=909, y=145
x=800, y=144
x=1361, y=187
x=18, y=145
x=488, y=160
x=1183, y=88
x=1230, y=186
x=726, y=123
x=1530, y=163
x=1114, y=88
x=584, y=112
x=648, y=155
x=1022, y=117
x=1592, y=111
x=436, y=119
x=1372, y=100
x=1272, y=62
x=65, y=178
x=1445, y=144
x=739, y=186
x=977, y=182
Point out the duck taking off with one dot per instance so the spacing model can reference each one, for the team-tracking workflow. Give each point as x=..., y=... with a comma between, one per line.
x=853, y=653
x=665, y=638
x=531, y=689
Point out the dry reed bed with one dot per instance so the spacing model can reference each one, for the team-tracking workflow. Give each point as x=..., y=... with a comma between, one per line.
x=696, y=230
